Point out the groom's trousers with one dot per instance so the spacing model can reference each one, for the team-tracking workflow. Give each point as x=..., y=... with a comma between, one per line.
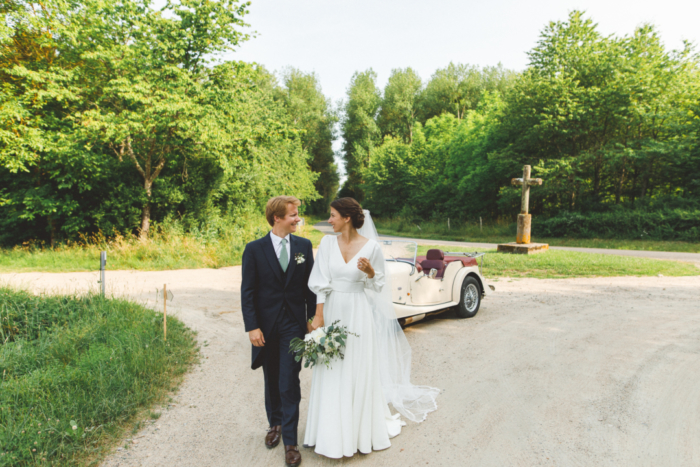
x=282, y=387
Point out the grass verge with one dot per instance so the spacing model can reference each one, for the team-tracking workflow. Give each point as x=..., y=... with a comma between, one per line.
x=76, y=370
x=504, y=233
x=169, y=247
x=564, y=264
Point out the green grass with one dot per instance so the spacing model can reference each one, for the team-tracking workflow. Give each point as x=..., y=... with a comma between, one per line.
x=310, y=232
x=502, y=232
x=77, y=370
x=169, y=247
x=563, y=264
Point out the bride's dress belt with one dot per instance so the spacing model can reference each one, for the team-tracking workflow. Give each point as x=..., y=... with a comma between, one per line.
x=347, y=286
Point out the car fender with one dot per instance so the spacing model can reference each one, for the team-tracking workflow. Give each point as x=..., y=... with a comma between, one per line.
x=459, y=279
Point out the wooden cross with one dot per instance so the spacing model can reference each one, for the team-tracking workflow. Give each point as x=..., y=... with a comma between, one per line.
x=526, y=182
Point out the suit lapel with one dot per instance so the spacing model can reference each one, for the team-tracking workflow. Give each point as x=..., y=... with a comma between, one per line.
x=269, y=250
x=292, y=260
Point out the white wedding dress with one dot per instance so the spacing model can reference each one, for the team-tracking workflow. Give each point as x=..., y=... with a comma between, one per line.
x=348, y=410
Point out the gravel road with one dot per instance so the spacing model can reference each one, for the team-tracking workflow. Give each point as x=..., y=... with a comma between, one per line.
x=561, y=372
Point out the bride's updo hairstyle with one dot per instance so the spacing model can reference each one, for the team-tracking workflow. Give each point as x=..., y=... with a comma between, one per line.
x=348, y=207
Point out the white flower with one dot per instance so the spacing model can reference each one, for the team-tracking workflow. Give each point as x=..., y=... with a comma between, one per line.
x=299, y=257
x=318, y=334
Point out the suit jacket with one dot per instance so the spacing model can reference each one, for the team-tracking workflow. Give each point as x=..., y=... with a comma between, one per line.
x=266, y=289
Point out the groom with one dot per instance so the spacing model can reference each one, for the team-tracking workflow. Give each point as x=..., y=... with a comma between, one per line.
x=277, y=303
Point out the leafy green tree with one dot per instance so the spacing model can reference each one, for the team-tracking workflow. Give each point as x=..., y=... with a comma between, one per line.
x=596, y=112
x=313, y=113
x=359, y=129
x=397, y=116
x=391, y=178
x=152, y=107
x=458, y=88
x=107, y=108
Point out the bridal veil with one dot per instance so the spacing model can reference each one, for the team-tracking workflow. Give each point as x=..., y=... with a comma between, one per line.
x=394, y=353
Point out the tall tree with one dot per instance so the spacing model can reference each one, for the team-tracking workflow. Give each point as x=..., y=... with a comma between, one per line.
x=458, y=88
x=596, y=111
x=359, y=129
x=397, y=116
x=150, y=111
x=109, y=110
x=313, y=113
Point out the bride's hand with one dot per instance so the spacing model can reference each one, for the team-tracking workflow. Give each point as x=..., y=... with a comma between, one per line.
x=317, y=322
x=365, y=266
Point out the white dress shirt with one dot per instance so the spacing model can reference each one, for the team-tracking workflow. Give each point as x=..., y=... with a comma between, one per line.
x=277, y=244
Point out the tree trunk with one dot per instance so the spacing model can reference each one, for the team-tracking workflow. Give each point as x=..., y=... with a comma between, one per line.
x=145, y=221
x=149, y=174
x=54, y=231
x=623, y=172
x=146, y=213
x=596, y=175
x=646, y=178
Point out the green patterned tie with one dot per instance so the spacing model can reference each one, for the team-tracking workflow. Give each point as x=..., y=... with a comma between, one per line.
x=284, y=257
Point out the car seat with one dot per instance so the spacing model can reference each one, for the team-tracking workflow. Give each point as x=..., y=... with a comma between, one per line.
x=434, y=259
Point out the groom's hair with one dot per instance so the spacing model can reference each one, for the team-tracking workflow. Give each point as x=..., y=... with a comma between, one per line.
x=277, y=206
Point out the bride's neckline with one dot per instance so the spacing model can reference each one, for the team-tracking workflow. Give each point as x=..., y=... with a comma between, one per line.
x=341, y=251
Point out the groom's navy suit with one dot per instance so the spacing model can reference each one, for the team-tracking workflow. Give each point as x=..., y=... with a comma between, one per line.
x=279, y=304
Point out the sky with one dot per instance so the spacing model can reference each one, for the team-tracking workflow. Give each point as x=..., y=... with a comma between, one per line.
x=336, y=38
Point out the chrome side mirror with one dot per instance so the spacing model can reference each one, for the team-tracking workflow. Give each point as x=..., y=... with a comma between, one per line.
x=433, y=273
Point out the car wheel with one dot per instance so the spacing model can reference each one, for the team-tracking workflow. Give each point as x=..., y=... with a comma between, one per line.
x=470, y=299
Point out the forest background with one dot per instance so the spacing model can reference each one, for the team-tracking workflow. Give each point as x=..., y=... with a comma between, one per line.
x=117, y=116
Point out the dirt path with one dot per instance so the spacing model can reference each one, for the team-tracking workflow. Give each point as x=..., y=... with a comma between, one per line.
x=561, y=372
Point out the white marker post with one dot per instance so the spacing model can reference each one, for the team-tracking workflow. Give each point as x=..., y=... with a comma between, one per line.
x=103, y=264
x=165, y=313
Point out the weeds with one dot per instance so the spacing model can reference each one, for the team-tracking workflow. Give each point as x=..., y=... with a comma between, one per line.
x=75, y=369
x=170, y=246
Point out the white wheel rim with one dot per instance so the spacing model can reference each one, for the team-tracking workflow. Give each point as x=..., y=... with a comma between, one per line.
x=471, y=297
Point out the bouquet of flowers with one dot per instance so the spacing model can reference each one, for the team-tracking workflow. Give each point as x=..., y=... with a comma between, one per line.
x=321, y=345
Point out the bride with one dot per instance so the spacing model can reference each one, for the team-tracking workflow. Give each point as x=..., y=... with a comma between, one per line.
x=348, y=405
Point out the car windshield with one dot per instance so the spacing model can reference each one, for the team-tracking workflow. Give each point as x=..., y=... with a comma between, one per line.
x=399, y=250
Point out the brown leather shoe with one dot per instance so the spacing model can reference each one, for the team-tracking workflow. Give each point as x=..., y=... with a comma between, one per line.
x=292, y=456
x=272, y=438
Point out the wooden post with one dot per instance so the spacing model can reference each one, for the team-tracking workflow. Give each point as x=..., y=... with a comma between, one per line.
x=448, y=223
x=165, y=313
x=524, y=218
x=525, y=198
x=523, y=239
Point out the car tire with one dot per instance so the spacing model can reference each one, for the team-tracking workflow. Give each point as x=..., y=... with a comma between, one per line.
x=470, y=298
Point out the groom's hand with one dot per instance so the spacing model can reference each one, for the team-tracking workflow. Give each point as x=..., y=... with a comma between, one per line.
x=256, y=338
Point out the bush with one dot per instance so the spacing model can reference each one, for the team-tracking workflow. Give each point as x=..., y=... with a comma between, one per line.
x=662, y=224
x=75, y=369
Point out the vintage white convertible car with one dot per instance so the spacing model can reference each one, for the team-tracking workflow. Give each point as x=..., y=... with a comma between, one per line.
x=436, y=282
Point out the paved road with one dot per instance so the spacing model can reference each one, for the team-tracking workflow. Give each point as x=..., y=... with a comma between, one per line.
x=670, y=255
